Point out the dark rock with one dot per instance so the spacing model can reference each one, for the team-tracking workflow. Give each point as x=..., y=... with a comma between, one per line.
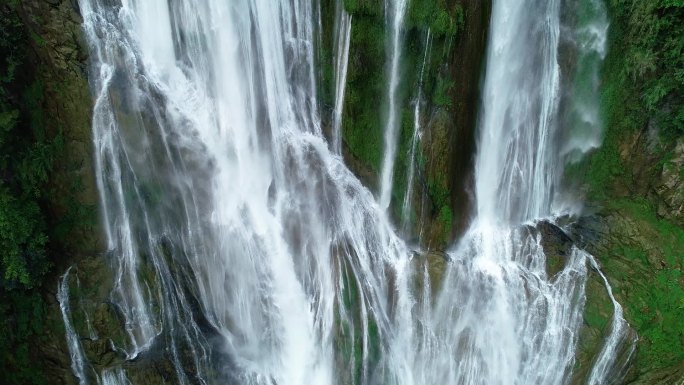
x=58, y=58
x=555, y=242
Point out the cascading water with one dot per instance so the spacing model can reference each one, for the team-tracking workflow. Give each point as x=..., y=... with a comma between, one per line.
x=245, y=251
x=235, y=233
x=517, y=168
x=500, y=318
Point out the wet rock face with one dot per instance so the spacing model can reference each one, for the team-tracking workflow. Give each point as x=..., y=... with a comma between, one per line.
x=557, y=246
x=101, y=330
x=57, y=58
x=56, y=66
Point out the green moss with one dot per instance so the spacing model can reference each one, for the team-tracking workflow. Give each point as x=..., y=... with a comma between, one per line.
x=644, y=259
x=444, y=18
x=362, y=125
x=653, y=303
x=349, y=336
x=326, y=57
x=365, y=111
x=440, y=96
x=364, y=7
x=22, y=318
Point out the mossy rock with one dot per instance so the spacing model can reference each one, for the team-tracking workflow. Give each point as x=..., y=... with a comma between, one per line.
x=436, y=263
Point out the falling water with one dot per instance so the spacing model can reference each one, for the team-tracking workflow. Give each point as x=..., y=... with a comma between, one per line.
x=78, y=365
x=343, y=22
x=415, y=139
x=606, y=368
x=244, y=251
x=516, y=167
x=241, y=245
x=396, y=10
x=500, y=318
x=115, y=377
x=588, y=38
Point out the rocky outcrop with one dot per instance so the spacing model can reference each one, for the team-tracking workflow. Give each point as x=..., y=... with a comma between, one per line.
x=669, y=186
x=653, y=169
x=642, y=260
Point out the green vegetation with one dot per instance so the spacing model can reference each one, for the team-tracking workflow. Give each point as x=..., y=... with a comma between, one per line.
x=642, y=90
x=364, y=7
x=441, y=93
x=24, y=317
x=643, y=83
x=444, y=18
x=27, y=152
x=362, y=119
x=365, y=103
x=652, y=293
x=653, y=57
x=349, y=341
x=26, y=156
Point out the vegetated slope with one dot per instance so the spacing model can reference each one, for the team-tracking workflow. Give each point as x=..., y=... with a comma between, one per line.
x=634, y=181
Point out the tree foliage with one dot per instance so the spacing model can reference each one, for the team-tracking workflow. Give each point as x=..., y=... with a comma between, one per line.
x=653, y=45
x=26, y=156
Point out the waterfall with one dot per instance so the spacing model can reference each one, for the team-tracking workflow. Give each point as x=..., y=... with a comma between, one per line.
x=516, y=167
x=342, y=34
x=234, y=231
x=589, y=41
x=244, y=251
x=396, y=10
x=500, y=318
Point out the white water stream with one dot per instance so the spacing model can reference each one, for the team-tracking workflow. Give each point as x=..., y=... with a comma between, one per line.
x=246, y=252
x=415, y=141
x=396, y=10
x=343, y=22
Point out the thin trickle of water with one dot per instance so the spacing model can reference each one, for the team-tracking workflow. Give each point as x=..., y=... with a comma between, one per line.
x=78, y=362
x=609, y=367
x=343, y=23
x=396, y=11
x=415, y=140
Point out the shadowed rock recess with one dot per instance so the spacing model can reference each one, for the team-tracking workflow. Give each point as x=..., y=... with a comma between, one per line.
x=192, y=239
